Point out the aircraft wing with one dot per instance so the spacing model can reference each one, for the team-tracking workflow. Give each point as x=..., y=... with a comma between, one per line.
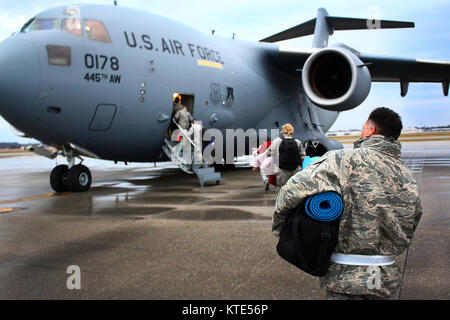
x=387, y=69
x=382, y=68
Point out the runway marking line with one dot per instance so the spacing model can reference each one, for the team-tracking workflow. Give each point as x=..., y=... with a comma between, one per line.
x=34, y=198
x=10, y=210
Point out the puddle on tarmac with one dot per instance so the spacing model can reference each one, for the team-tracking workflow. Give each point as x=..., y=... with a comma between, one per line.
x=172, y=190
x=211, y=214
x=169, y=199
x=247, y=196
x=251, y=203
x=141, y=182
x=108, y=189
x=199, y=190
x=115, y=195
x=130, y=211
x=257, y=192
x=258, y=188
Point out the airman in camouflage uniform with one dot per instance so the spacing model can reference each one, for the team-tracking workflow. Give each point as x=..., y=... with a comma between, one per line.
x=184, y=118
x=382, y=209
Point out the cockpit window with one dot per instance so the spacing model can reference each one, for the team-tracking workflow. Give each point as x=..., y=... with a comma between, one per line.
x=40, y=24
x=26, y=25
x=73, y=26
x=96, y=31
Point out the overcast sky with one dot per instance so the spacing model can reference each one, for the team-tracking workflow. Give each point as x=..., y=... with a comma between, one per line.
x=253, y=20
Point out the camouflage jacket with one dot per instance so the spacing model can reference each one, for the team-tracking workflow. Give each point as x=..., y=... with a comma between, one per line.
x=184, y=118
x=382, y=209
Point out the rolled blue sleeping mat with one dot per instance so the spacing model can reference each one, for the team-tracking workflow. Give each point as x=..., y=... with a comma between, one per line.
x=308, y=160
x=325, y=206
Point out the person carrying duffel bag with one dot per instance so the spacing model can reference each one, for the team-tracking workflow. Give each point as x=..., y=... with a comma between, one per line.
x=381, y=211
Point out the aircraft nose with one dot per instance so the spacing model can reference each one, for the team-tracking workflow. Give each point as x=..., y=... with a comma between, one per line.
x=19, y=77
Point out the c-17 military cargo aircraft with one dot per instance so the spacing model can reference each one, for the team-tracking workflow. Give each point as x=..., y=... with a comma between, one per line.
x=100, y=81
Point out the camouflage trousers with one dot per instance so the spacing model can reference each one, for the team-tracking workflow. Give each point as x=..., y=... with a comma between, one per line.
x=342, y=296
x=284, y=175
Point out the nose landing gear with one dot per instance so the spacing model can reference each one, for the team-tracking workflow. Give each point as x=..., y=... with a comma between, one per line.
x=79, y=178
x=75, y=178
x=58, y=178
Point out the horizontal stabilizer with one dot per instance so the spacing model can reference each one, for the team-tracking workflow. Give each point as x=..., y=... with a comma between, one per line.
x=339, y=23
x=336, y=23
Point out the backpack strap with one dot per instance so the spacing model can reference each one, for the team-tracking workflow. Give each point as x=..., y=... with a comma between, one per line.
x=295, y=223
x=325, y=237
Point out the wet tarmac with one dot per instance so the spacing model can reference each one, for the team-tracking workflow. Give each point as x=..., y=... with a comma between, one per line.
x=145, y=232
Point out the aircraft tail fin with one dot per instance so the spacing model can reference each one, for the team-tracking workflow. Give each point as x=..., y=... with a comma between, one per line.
x=324, y=25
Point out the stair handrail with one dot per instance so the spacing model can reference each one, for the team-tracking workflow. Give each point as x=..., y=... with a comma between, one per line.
x=184, y=133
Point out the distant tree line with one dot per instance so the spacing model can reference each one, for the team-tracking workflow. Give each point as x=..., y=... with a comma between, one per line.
x=10, y=145
x=14, y=145
x=437, y=127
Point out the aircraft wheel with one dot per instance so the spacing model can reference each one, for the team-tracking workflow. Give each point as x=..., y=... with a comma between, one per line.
x=79, y=178
x=58, y=178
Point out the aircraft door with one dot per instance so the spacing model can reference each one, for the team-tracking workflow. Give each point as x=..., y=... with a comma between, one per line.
x=184, y=99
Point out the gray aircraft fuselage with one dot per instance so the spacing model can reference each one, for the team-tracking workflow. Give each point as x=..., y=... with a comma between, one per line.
x=115, y=99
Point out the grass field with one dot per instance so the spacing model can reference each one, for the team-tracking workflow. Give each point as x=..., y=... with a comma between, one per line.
x=6, y=151
x=14, y=153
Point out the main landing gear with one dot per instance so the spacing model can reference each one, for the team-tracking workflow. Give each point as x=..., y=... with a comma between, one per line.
x=75, y=178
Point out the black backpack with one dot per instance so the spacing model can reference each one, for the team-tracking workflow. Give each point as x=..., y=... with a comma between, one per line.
x=289, y=158
x=308, y=243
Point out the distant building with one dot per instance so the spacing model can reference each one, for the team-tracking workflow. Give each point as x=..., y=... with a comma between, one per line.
x=340, y=133
x=439, y=129
x=412, y=130
x=357, y=132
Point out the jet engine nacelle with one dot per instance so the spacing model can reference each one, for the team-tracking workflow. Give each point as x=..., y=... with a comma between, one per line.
x=335, y=79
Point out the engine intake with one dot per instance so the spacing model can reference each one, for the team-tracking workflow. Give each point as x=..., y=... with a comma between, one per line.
x=336, y=79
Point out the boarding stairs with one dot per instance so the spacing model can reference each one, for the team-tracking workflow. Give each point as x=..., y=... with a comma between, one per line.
x=204, y=173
